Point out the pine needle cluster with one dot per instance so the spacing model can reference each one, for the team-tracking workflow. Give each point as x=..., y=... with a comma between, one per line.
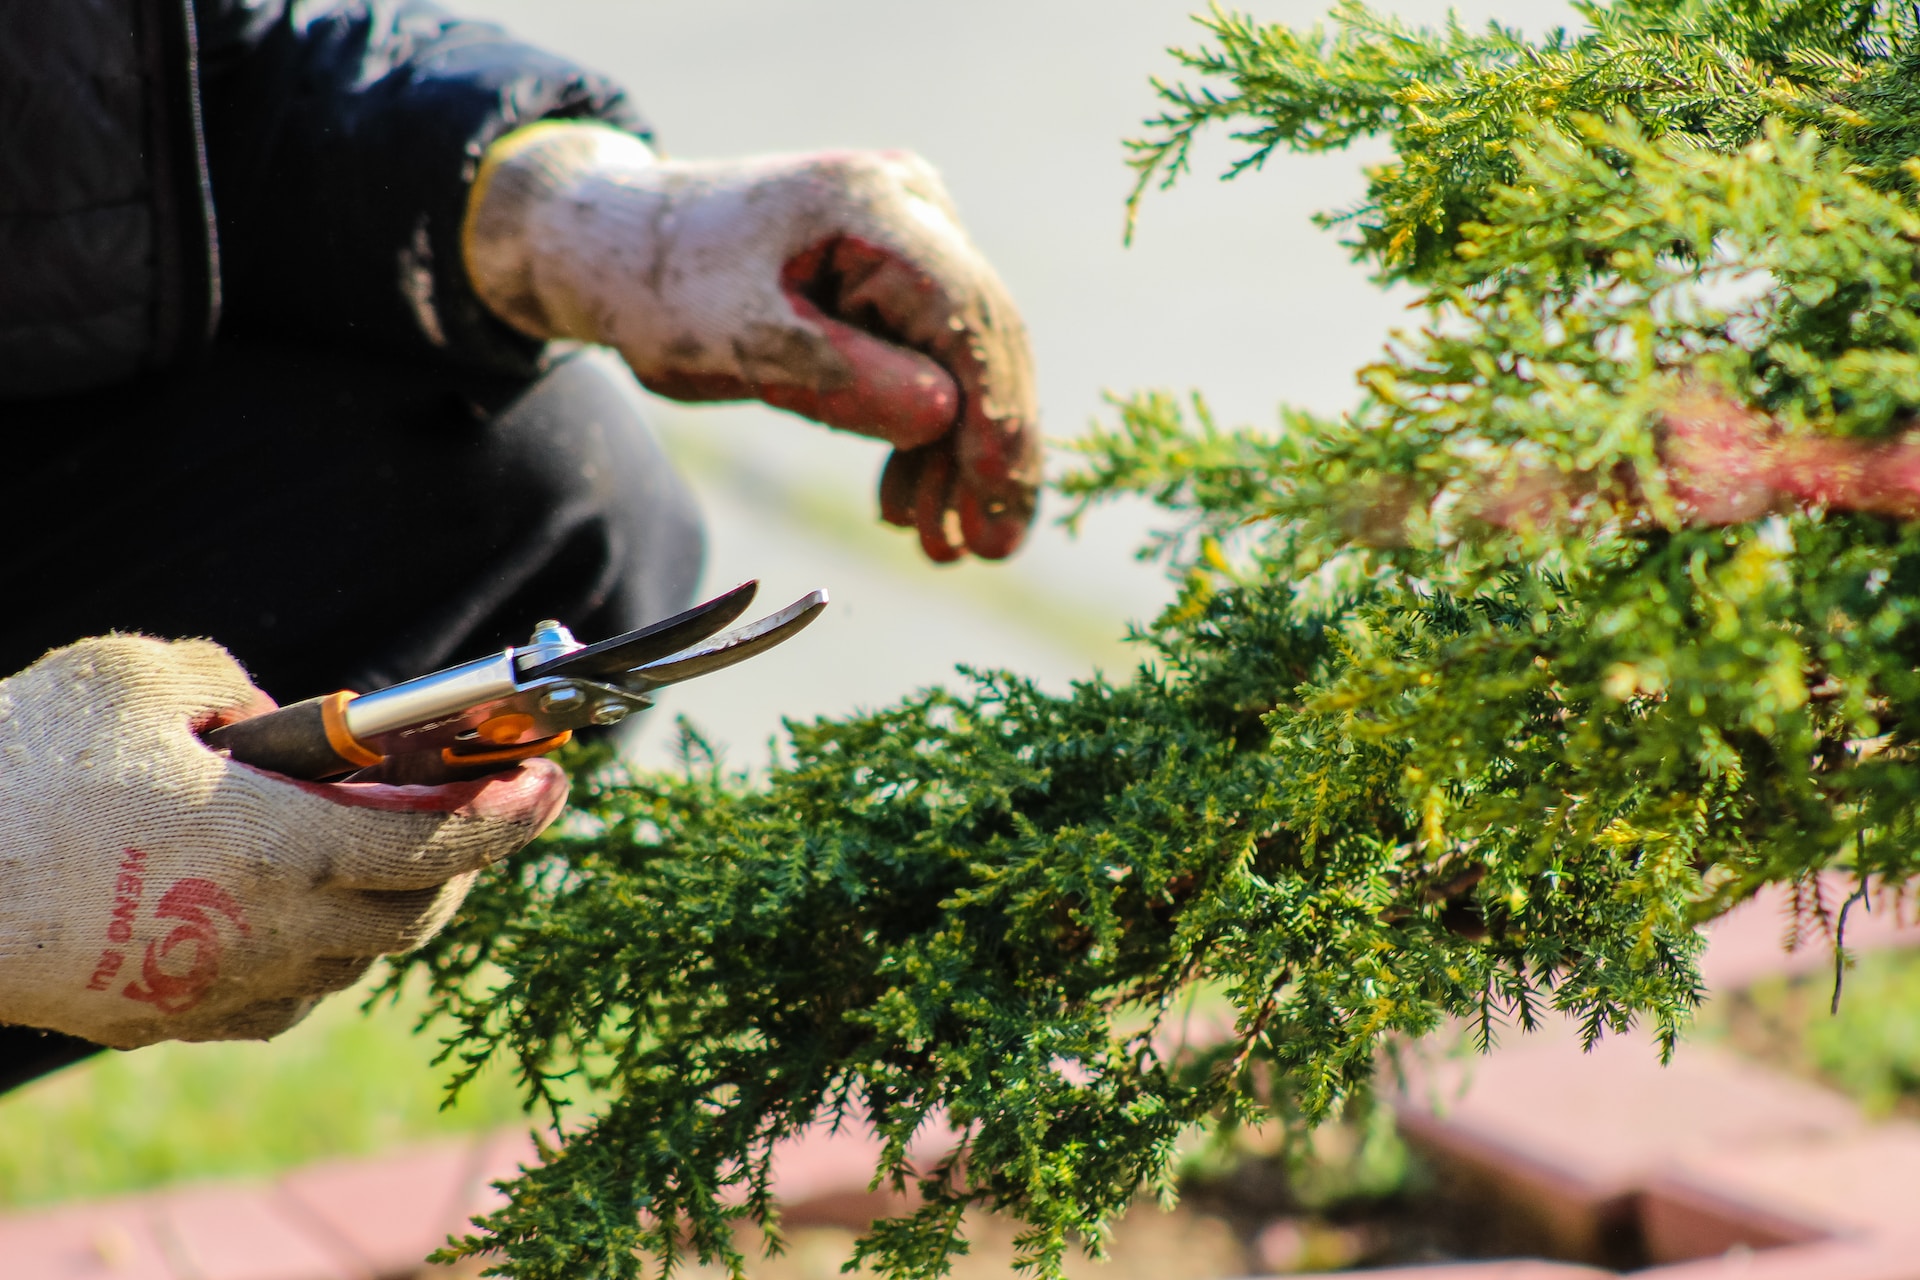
x=1465, y=709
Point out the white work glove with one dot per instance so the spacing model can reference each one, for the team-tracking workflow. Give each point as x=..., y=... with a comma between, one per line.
x=839, y=285
x=151, y=889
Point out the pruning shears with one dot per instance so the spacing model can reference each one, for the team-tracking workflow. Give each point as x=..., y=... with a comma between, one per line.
x=524, y=701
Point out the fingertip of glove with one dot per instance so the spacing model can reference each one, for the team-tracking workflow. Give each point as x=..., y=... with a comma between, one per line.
x=530, y=794
x=899, y=483
x=934, y=515
x=991, y=535
x=939, y=548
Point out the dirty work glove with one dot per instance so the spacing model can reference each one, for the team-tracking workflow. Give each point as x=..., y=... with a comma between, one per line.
x=153, y=890
x=837, y=285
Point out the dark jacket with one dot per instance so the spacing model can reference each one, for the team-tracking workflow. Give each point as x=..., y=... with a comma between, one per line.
x=173, y=169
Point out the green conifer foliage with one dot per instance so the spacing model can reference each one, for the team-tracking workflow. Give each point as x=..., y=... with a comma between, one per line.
x=1596, y=615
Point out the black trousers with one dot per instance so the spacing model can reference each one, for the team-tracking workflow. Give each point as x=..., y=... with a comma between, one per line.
x=337, y=521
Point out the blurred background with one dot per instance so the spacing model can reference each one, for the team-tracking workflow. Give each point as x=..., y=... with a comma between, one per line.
x=1228, y=289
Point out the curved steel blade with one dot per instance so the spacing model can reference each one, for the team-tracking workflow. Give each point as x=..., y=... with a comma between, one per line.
x=612, y=659
x=730, y=647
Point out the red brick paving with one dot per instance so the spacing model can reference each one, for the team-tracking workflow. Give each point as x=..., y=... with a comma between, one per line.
x=1855, y=1184
x=1895, y=1256
x=217, y=1232
x=1575, y=1137
x=1888, y=1259
x=112, y=1240
x=1748, y=942
x=496, y=1158
x=1719, y=1167
x=1682, y=1218
x=207, y=1232
x=1513, y=1269
x=389, y=1213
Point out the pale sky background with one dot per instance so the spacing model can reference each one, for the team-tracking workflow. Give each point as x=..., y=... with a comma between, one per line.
x=1228, y=289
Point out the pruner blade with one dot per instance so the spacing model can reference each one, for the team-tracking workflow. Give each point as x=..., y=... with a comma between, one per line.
x=612, y=659
x=729, y=647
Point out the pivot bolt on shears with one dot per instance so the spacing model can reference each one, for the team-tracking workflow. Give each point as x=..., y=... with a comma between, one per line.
x=524, y=701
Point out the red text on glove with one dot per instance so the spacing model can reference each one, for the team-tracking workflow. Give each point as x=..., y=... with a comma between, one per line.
x=127, y=887
x=195, y=903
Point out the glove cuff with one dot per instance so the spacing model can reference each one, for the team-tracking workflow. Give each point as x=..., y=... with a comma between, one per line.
x=518, y=264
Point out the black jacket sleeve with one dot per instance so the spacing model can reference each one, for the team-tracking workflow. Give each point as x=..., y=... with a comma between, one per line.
x=342, y=139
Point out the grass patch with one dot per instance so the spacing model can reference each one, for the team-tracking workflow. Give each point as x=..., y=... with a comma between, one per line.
x=341, y=1083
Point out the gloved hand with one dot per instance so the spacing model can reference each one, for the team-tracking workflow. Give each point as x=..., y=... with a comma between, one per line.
x=151, y=889
x=837, y=285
